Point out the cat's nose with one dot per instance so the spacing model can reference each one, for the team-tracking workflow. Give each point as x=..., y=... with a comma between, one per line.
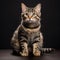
x=29, y=17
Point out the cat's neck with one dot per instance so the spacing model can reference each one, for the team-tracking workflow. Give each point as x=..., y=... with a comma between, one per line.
x=31, y=30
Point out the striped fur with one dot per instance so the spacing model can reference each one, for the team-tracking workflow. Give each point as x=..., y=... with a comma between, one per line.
x=28, y=38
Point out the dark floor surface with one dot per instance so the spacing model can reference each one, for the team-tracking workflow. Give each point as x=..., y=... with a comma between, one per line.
x=7, y=55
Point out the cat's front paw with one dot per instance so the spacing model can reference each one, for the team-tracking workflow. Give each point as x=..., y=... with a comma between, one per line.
x=23, y=53
x=37, y=53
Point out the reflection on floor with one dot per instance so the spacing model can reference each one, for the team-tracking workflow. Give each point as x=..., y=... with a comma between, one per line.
x=6, y=55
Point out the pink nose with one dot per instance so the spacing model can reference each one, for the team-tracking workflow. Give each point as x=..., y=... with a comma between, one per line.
x=30, y=17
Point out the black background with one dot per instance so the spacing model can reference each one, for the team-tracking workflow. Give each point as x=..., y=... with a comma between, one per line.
x=10, y=19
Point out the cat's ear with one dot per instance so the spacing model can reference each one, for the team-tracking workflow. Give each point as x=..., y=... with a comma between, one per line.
x=24, y=7
x=38, y=8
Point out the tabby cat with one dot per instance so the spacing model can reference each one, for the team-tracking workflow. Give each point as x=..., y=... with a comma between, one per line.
x=27, y=38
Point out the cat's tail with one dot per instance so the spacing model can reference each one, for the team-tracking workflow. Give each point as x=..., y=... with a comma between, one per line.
x=47, y=50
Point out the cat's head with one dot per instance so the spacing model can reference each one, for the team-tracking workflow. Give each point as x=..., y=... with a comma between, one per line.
x=31, y=16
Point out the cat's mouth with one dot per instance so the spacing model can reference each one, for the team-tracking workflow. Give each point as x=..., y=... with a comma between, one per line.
x=31, y=25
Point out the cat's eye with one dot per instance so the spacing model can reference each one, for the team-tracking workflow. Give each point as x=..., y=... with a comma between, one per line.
x=23, y=16
x=26, y=13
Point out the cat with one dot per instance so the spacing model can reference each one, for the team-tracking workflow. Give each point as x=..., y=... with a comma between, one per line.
x=28, y=38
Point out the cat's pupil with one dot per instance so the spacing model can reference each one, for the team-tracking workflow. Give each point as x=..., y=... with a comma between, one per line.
x=26, y=13
x=23, y=17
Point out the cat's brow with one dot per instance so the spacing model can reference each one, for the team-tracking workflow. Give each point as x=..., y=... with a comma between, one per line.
x=30, y=9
